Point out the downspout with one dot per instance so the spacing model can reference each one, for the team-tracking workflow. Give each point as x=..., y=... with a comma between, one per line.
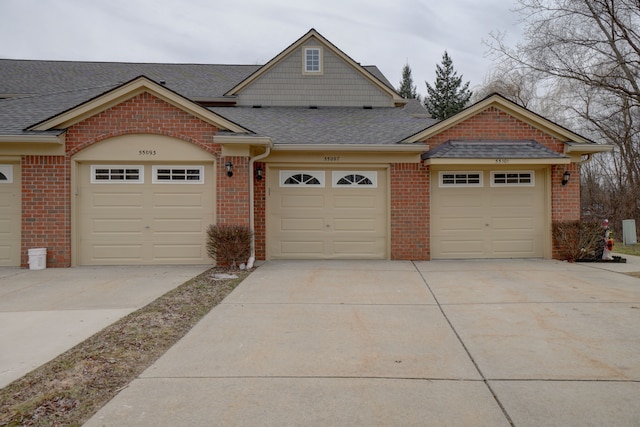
x=252, y=220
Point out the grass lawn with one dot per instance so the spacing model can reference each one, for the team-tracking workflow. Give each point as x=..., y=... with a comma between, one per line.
x=627, y=250
x=71, y=388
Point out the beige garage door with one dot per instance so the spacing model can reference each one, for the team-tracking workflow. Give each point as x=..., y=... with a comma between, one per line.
x=144, y=213
x=487, y=214
x=327, y=214
x=10, y=215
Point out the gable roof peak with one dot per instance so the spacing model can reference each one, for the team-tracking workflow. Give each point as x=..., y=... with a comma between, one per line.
x=313, y=33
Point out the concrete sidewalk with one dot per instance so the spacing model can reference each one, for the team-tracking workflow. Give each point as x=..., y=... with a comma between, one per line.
x=464, y=343
x=46, y=312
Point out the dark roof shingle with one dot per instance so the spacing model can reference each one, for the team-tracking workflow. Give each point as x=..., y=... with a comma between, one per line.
x=490, y=149
x=331, y=125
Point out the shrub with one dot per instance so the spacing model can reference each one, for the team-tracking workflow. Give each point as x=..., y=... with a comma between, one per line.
x=228, y=244
x=578, y=240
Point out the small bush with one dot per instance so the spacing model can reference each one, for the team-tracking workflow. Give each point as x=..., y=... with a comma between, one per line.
x=578, y=240
x=229, y=244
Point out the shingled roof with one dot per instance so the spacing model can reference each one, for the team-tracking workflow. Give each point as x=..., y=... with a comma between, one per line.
x=331, y=125
x=489, y=149
x=37, y=90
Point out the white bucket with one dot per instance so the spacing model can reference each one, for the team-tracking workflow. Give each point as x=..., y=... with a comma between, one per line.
x=37, y=259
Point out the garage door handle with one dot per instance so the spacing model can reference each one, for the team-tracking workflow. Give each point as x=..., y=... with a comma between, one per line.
x=147, y=227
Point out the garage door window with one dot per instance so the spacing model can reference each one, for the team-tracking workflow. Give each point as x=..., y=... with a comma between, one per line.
x=178, y=175
x=123, y=174
x=461, y=179
x=302, y=178
x=357, y=179
x=6, y=174
x=512, y=178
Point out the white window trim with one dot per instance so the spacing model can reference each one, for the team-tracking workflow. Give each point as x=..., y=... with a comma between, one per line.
x=7, y=170
x=305, y=69
x=443, y=173
x=518, y=184
x=338, y=175
x=155, y=180
x=140, y=180
x=286, y=174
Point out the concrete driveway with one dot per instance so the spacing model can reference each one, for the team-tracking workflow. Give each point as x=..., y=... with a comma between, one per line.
x=43, y=313
x=460, y=343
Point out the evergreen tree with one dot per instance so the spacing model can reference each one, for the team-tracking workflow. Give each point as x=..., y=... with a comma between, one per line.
x=407, y=89
x=448, y=96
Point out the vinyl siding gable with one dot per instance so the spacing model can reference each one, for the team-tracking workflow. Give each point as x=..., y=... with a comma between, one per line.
x=337, y=85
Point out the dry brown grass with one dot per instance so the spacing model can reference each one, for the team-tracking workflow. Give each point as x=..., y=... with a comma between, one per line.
x=71, y=388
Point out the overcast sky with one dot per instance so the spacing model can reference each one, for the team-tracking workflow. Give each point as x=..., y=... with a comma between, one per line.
x=386, y=33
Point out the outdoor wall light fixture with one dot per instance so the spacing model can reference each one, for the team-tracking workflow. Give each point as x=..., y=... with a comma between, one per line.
x=565, y=178
x=259, y=173
x=229, y=166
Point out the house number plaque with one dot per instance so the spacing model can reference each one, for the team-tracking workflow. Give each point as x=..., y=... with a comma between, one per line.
x=146, y=152
x=331, y=158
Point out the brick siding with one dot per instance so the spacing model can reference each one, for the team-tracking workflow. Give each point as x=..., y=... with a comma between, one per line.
x=410, y=215
x=46, y=202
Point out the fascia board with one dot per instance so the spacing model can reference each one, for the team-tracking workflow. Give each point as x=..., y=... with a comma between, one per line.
x=398, y=148
x=498, y=162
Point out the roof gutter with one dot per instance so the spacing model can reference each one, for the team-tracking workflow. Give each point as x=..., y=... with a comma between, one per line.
x=586, y=148
x=35, y=139
x=369, y=148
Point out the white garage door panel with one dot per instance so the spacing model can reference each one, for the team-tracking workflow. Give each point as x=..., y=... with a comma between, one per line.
x=302, y=224
x=464, y=247
x=461, y=225
x=143, y=223
x=486, y=221
x=304, y=201
x=354, y=201
x=513, y=247
x=177, y=200
x=460, y=199
x=354, y=224
x=118, y=226
x=357, y=249
x=326, y=222
x=10, y=215
x=170, y=252
x=113, y=253
x=513, y=224
x=117, y=199
x=301, y=248
x=181, y=226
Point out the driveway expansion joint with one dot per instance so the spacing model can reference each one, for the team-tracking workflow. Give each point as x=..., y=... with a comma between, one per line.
x=466, y=349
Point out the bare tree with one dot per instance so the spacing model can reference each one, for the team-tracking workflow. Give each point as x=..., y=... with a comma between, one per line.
x=516, y=84
x=589, y=52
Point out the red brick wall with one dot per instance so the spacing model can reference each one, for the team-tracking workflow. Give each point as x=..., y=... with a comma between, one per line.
x=410, y=211
x=565, y=201
x=46, y=202
x=46, y=220
x=233, y=192
x=259, y=196
x=495, y=124
x=142, y=114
